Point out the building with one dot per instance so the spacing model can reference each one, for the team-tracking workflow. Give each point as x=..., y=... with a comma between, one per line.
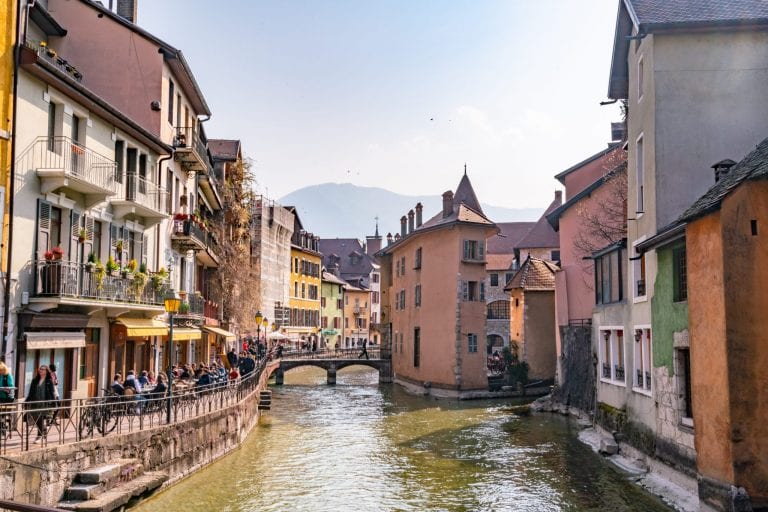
x=357, y=312
x=434, y=296
x=692, y=79
x=712, y=273
x=304, y=288
x=532, y=316
x=500, y=267
x=541, y=241
x=332, y=311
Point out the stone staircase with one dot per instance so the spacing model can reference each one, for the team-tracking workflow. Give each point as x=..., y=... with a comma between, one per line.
x=110, y=486
x=265, y=400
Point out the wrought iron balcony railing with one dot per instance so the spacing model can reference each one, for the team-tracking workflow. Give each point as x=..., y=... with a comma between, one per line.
x=606, y=371
x=618, y=372
x=142, y=192
x=190, y=150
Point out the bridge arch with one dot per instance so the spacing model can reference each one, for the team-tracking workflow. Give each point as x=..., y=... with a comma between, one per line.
x=331, y=366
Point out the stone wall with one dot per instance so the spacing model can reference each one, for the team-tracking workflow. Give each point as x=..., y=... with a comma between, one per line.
x=41, y=476
x=578, y=371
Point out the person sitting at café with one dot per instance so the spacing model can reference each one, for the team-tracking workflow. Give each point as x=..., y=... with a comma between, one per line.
x=131, y=381
x=204, y=381
x=143, y=379
x=117, y=385
x=161, y=387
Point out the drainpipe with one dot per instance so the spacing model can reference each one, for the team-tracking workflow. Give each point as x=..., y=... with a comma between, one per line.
x=12, y=175
x=157, y=228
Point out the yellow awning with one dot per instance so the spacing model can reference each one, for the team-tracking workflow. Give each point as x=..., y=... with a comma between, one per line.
x=143, y=327
x=229, y=336
x=184, y=333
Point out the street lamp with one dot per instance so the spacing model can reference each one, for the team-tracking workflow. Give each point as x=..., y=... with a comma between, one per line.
x=265, y=323
x=259, y=318
x=172, y=303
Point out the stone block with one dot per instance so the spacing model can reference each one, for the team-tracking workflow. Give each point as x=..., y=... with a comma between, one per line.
x=608, y=447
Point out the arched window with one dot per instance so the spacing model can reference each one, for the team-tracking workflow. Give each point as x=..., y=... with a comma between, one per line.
x=498, y=310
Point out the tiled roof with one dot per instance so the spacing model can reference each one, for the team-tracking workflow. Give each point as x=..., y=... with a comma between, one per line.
x=534, y=275
x=542, y=235
x=343, y=247
x=674, y=12
x=499, y=261
x=561, y=176
x=222, y=149
x=754, y=166
x=509, y=234
x=330, y=278
x=466, y=194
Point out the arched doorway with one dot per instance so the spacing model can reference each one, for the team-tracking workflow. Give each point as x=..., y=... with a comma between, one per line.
x=494, y=342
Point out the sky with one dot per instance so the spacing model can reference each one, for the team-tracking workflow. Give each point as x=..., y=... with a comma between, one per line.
x=401, y=94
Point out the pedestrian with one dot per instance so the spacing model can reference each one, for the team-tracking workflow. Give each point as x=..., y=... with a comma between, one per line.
x=232, y=357
x=39, y=399
x=365, y=350
x=57, y=398
x=7, y=392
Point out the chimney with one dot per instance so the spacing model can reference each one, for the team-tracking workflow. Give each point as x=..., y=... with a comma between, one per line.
x=447, y=203
x=372, y=244
x=559, y=196
x=410, y=221
x=127, y=9
x=389, y=238
x=397, y=237
x=403, y=225
x=722, y=168
x=618, y=131
x=419, y=207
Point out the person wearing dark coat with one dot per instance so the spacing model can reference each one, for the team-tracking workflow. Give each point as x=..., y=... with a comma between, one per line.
x=232, y=358
x=41, y=397
x=247, y=365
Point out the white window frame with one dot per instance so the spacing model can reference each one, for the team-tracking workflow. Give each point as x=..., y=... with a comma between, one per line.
x=637, y=271
x=640, y=175
x=612, y=358
x=642, y=341
x=640, y=78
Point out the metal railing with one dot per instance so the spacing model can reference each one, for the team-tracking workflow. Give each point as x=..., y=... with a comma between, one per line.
x=52, y=56
x=186, y=137
x=606, y=371
x=192, y=229
x=192, y=305
x=62, y=278
x=618, y=372
x=30, y=425
x=77, y=161
x=142, y=192
x=326, y=353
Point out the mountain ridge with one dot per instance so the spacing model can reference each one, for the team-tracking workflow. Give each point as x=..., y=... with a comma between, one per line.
x=345, y=210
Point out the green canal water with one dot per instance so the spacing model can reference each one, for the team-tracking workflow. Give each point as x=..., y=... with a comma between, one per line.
x=361, y=447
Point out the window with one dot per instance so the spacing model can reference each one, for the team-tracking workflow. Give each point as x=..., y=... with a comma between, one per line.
x=612, y=354
x=374, y=297
x=375, y=277
x=639, y=271
x=683, y=356
x=303, y=290
x=494, y=279
x=498, y=310
x=640, y=174
x=346, y=322
x=640, y=72
x=339, y=304
x=52, y=126
x=554, y=255
x=295, y=289
x=402, y=266
x=97, y=230
x=170, y=102
x=609, y=276
x=417, y=265
x=417, y=295
x=402, y=299
x=346, y=300
x=119, y=160
x=508, y=277
x=472, y=343
x=474, y=250
x=642, y=380
x=482, y=291
x=336, y=322
x=322, y=302
x=679, y=275
x=416, y=346
x=169, y=186
x=470, y=291
x=55, y=227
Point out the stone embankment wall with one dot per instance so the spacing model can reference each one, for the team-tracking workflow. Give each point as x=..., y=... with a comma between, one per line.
x=41, y=476
x=576, y=386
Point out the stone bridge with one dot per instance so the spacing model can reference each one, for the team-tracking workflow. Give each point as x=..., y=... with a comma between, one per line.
x=332, y=362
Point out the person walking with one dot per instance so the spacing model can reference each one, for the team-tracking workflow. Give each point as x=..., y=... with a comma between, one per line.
x=7, y=394
x=365, y=349
x=40, y=398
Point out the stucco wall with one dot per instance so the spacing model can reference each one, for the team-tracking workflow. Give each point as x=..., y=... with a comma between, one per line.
x=539, y=340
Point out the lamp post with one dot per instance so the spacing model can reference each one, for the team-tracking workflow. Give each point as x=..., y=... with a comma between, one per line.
x=259, y=317
x=172, y=304
x=265, y=323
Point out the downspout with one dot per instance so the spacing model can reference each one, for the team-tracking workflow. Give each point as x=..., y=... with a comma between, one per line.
x=12, y=174
x=157, y=228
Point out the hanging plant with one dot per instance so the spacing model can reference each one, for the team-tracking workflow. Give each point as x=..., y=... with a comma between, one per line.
x=82, y=236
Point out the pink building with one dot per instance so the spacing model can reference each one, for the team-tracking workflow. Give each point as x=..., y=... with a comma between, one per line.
x=433, y=288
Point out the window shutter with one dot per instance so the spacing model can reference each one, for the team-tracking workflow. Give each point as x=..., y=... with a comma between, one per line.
x=464, y=290
x=467, y=250
x=113, y=236
x=88, y=245
x=482, y=290
x=43, y=227
x=481, y=249
x=126, y=234
x=74, y=232
x=144, y=249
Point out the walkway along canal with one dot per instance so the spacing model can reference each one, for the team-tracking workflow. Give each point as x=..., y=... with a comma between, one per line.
x=367, y=447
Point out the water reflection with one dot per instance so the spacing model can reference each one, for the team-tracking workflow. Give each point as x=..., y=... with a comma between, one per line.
x=361, y=447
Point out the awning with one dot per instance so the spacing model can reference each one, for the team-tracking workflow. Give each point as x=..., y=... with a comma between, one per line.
x=185, y=333
x=143, y=327
x=330, y=332
x=229, y=336
x=52, y=339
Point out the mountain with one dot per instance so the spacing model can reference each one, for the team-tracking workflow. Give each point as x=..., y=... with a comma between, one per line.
x=344, y=210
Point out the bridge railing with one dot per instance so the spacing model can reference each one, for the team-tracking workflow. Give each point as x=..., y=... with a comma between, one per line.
x=329, y=353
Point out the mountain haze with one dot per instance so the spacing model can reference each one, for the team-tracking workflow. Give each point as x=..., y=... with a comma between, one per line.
x=345, y=210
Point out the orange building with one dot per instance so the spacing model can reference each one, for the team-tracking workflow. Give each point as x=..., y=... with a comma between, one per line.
x=433, y=284
x=727, y=301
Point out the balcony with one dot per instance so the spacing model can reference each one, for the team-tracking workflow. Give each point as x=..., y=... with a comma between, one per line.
x=187, y=235
x=49, y=55
x=190, y=150
x=71, y=283
x=63, y=164
x=192, y=310
x=209, y=185
x=618, y=372
x=356, y=310
x=142, y=198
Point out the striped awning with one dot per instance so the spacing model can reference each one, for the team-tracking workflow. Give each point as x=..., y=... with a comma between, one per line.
x=143, y=327
x=186, y=333
x=229, y=336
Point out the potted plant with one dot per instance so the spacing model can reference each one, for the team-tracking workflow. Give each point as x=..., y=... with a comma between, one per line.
x=112, y=267
x=82, y=235
x=119, y=249
x=184, y=308
x=158, y=278
x=139, y=283
x=100, y=273
x=57, y=253
x=143, y=268
x=90, y=265
x=130, y=269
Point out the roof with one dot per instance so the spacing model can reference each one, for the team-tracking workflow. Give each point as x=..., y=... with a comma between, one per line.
x=499, y=261
x=330, y=278
x=465, y=194
x=505, y=242
x=611, y=146
x=534, y=275
x=224, y=149
x=646, y=16
x=173, y=56
x=754, y=166
x=45, y=21
x=554, y=216
x=344, y=247
x=542, y=234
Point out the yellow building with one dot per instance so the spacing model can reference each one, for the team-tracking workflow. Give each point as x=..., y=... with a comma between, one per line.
x=357, y=312
x=304, y=293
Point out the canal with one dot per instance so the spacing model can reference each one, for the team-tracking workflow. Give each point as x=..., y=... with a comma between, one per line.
x=358, y=446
